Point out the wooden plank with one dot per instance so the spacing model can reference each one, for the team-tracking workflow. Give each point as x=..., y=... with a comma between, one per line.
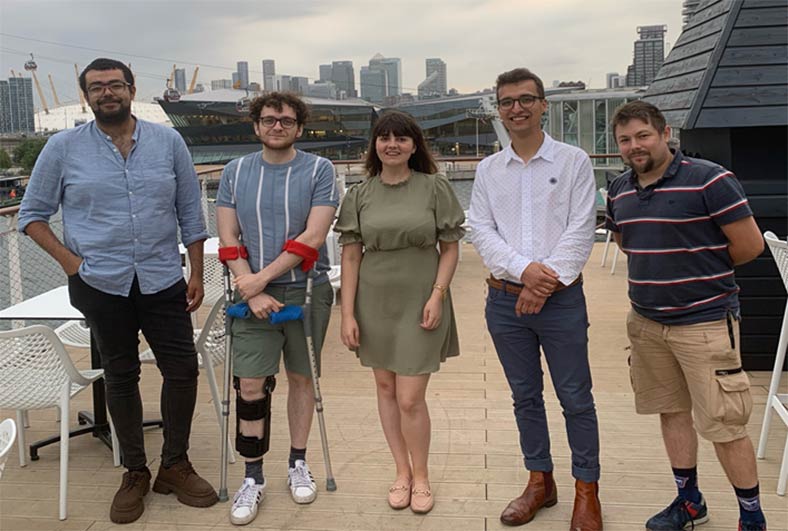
x=684, y=66
x=676, y=84
x=749, y=4
x=754, y=18
x=674, y=100
x=746, y=96
x=737, y=76
x=675, y=118
x=758, y=36
x=694, y=48
x=743, y=116
x=707, y=11
x=751, y=55
x=760, y=286
x=710, y=27
x=763, y=306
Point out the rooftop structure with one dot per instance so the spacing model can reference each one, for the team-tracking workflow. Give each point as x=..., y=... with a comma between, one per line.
x=68, y=116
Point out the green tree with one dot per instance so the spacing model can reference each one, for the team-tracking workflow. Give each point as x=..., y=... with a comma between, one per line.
x=5, y=159
x=26, y=153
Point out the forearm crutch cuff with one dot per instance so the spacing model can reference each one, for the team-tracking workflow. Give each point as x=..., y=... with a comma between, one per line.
x=227, y=254
x=307, y=253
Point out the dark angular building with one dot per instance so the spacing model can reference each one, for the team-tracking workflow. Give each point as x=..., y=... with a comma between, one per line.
x=725, y=86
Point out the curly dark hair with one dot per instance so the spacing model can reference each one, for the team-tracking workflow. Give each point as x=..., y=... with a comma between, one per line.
x=276, y=100
x=516, y=76
x=103, y=63
x=399, y=123
x=638, y=110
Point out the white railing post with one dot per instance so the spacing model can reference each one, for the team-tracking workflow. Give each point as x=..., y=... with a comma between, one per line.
x=15, y=289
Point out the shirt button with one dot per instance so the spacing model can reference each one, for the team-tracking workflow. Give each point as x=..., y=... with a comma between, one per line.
x=131, y=193
x=134, y=215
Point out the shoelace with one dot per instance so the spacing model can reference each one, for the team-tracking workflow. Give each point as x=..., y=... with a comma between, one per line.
x=248, y=495
x=682, y=506
x=302, y=477
x=130, y=479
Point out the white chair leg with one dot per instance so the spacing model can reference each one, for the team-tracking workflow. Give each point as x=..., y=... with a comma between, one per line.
x=615, y=261
x=26, y=418
x=115, y=443
x=779, y=361
x=607, y=246
x=781, y=484
x=64, y=441
x=210, y=375
x=20, y=437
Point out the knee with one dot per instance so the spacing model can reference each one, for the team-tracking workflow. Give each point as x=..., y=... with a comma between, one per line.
x=299, y=382
x=387, y=390
x=411, y=405
x=251, y=388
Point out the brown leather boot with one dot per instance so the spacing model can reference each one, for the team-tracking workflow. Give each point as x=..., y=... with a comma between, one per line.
x=190, y=488
x=587, y=514
x=540, y=492
x=127, y=505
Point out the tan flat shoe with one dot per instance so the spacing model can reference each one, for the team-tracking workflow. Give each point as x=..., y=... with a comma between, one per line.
x=399, y=495
x=421, y=501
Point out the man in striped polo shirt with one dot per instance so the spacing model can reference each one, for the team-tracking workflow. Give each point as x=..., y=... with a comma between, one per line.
x=274, y=202
x=684, y=224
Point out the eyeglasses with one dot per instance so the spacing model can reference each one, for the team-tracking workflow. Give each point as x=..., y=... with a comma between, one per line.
x=115, y=87
x=285, y=121
x=526, y=101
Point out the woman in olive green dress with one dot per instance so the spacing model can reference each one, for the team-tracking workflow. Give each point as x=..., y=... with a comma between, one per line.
x=396, y=305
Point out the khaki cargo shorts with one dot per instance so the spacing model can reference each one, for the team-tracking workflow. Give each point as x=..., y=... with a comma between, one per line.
x=258, y=345
x=694, y=368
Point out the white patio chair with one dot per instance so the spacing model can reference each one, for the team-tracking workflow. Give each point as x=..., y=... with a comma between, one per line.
x=335, y=279
x=36, y=372
x=209, y=342
x=74, y=334
x=7, y=437
x=608, y=238
x=777, y=402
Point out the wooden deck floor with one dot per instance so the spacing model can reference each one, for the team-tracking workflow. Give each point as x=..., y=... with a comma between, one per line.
x=476, y=466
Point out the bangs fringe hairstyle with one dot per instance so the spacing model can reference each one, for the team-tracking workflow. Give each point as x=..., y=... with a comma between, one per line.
x=399, y=123
x=276, y=100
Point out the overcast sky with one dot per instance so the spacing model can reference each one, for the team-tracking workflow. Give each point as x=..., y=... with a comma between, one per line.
x=557, y=39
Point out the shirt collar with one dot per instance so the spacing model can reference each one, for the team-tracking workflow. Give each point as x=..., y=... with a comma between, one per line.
x=134, y=136
x=546, y=151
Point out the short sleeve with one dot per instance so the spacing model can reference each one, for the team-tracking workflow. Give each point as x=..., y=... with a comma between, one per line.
x=348, y=225
x=449, y=216
x=725, y=199
x=325, y=191
x=225, y=196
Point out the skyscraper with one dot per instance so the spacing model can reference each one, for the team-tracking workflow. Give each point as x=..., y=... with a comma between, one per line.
x=17, y=114
x=243, y=74
x=180, y=80
x=343, y=76
x=648, y=55
x=373, y=84
x=393, y=68
x=269, y=71
x=436, y=64
x=614, y=80
x=299, y=84
x=325, y=73
x=688, y=9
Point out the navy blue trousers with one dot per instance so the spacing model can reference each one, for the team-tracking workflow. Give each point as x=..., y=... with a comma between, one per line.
x=561, y=331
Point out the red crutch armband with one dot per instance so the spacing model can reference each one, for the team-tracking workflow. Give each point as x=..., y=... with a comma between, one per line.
x=232, y=253
x=306, y=252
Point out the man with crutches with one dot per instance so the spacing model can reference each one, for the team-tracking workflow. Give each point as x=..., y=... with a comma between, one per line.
x=275, y=208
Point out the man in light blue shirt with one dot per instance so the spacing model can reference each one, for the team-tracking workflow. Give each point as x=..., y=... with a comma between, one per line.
x=125, y=186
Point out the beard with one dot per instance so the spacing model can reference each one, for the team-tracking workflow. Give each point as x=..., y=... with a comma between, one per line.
x=112, y=117
x=280, y=144
x=644, y=167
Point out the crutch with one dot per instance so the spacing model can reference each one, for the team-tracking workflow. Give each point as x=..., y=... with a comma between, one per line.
x=293, y=313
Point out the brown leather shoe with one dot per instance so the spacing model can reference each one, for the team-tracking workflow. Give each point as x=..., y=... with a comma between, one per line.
x=190, y=488
x=540, y=492
x=127, y=504
x=587, y=514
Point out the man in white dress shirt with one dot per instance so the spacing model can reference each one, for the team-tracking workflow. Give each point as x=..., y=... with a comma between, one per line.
x=533, y=214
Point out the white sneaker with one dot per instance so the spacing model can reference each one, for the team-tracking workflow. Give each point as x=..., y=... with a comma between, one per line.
x=302, y=486
x=245, y=502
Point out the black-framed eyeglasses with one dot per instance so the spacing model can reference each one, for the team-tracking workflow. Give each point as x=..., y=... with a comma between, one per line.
x=116, y=87
x=286, y=121
x=526, y=101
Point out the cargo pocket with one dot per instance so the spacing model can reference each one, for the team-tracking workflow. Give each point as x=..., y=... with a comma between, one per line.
x=734, y=402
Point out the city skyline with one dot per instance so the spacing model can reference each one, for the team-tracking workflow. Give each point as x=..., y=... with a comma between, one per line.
x=472, y=38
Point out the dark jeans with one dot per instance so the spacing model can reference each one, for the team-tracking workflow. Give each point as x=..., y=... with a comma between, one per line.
x=115, y=323
x=560, y=329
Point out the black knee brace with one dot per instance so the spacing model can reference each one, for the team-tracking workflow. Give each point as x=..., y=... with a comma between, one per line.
x=253, y=410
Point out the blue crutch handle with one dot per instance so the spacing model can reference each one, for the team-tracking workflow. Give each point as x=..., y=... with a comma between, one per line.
x=288, y=313
x=239, y=311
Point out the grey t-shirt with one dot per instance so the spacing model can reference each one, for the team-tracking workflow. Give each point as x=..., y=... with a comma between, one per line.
x=272, y=203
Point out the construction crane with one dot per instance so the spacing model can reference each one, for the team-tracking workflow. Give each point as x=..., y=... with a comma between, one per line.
x=79, y=90
x=31, y=67
x=54, y=93
x=194, y=80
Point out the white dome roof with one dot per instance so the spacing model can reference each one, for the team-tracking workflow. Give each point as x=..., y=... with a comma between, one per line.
x=68, y=116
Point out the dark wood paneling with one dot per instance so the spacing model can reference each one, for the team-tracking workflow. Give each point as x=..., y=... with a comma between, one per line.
x=763, y=266
x=674, y=101
x=760, y=361
x=710, y=27
x=771, y=206
x=746, y=96
x=743, y=117
x=760, y=286
x=768, y=16
x=762, y=325
x=752, y=55
x=758, y=343
x=677, y=84
x=763, y=306
x=751, y=4
x=737, y=76
x=675, y=118
x=685, y=66
x=708, y=11
x=694, y=48
x=758, y=36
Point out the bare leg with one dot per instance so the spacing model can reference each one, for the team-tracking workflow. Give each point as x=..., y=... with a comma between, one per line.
x=415, y=421
x=680, y=438
x=738, y=460
x=388, y=409
x=300, y=408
